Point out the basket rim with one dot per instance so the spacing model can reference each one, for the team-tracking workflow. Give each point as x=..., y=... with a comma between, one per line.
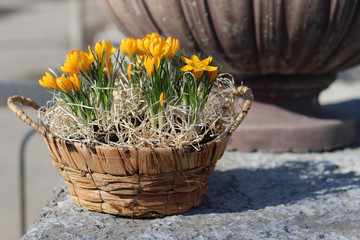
x=185, y=147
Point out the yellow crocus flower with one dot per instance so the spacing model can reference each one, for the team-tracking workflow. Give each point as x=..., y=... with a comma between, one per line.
x=196, y=66
x=174, y=46
x=64, y=84
x=162, y=98
x=68, y=68
x=152, y=64
x=75, y=81
x=77, y=61
x=80, y=60
x=129, y=47
x=144, y=46
x=48, y=81
x=159, y=48
x=153, y=35
x=104, y=50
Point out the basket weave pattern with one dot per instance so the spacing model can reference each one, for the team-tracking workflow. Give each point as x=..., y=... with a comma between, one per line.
x=134, y=182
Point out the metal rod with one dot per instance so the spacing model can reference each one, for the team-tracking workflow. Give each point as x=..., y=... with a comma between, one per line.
x=22, y=181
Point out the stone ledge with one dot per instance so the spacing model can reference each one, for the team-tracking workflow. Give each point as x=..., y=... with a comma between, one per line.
x=250, y=196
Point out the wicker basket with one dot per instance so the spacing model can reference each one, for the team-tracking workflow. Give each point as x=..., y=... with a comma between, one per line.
x=134, y=182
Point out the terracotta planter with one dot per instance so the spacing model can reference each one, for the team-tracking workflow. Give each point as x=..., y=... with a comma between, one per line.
x=134, y=182
x=281, y=44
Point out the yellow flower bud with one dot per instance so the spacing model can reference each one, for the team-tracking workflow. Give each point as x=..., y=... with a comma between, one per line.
x=104, y=50
x=152, y=64
x=162, y=98
x=64, y=84
x=159, y=48
x=129, y=71
x=174, y=46
x=129, y=47
x=153, y=35
x=75, y=81
x=144, y=45
x=48, y=81
x=77, y=61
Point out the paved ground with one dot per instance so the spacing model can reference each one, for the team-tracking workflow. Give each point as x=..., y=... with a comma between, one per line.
x=33, y=36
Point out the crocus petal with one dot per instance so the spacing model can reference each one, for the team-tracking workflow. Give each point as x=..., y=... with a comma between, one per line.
x=75, y=60
x=195, y=58
x=128, y=46
x=157, y=62
x=139, y=62
x=99, y=50
x=155, y=50
x=175, y=45
x=186, y=68
x=112, y=49
x=186, y=60
x=69, y=69
x=78, y=60
x=64, y=84
x=123, y=49
x=166, y=50
x=206, y=61
x=147, y=46
x=51, y=81
x=212, y=76
x=149, y=65
x=43, y=83
x=48, y=81
x=197, y=74
x=210, y=68
x=154, y=35
x=74, y=79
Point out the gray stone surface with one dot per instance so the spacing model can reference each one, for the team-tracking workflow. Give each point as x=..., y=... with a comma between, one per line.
x=250, y=196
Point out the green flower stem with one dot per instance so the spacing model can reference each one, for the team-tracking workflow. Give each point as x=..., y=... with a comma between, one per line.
x=154, y=121
x=161, y=117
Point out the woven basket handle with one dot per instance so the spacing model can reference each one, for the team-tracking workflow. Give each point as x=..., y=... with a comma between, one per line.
x=249, y=98
x=22, y=115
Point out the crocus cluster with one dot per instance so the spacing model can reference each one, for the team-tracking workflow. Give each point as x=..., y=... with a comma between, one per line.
x=151, y=64
x=155, y=66
x=84, y=76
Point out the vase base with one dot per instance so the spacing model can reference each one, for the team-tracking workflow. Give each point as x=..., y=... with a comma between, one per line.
x=272, y=128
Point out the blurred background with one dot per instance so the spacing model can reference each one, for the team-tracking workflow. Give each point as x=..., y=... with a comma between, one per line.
x=36, y=35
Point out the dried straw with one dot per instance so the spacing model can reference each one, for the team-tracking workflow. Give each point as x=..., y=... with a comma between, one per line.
x=128, y=122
